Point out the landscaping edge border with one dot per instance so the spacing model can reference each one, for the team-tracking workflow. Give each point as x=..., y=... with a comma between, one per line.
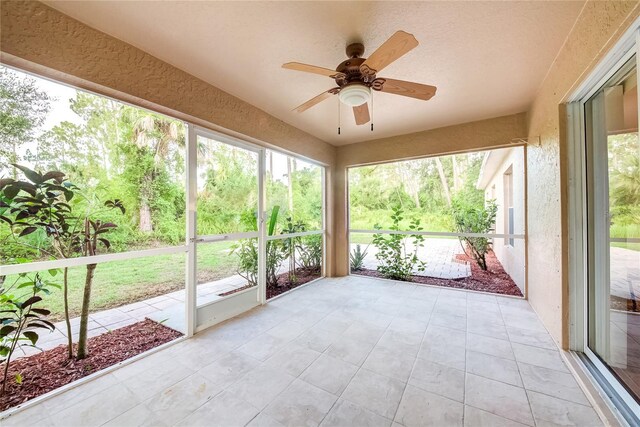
x=295, y=289
x=37, y=400
x=441, y=287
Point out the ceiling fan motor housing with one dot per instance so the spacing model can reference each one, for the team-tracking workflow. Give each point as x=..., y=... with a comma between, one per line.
x=350, y=72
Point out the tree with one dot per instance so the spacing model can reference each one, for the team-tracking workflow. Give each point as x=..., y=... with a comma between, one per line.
x=155, y=138
x=471, y=218
x=41, y=202
x=23, y=108
x=443, y=181
x=62, y=147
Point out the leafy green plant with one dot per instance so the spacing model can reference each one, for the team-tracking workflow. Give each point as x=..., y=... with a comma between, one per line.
x=20, y=319
x=470, y=218
x=42, y=203
x=291, y=245
x=247, y=251
x=357, y=256
x=310, y=251
x=395, y=261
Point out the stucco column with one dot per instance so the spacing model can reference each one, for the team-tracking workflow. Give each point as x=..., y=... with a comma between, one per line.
x=340, y=236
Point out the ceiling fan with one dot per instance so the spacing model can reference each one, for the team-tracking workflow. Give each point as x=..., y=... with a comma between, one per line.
x=357, y=76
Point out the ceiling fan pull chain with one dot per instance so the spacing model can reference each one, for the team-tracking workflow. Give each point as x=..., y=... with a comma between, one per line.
x=371, y=111
x=339, y=117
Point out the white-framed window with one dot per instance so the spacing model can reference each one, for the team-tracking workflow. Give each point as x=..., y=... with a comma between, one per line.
x=509, y=225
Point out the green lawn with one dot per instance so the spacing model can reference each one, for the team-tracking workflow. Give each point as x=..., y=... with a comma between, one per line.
x=624, y=232
x=123, y=282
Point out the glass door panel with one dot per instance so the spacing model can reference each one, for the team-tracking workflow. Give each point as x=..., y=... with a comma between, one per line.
x=226, y=220
x=294, y=222
x=613, y=164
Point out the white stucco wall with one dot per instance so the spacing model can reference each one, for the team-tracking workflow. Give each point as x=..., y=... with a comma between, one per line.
x=511, y=257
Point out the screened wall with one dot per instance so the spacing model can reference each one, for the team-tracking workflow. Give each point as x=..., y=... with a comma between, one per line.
x=129, y=216
x=455, y=221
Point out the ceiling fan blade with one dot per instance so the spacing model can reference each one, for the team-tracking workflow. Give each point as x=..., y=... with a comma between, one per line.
x=313, y=101
x=361, y=113
x=410, y=89
x=297, y=66
x=396, y=46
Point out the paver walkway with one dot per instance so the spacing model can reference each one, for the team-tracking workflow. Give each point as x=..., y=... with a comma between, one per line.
x=625, y=273
x=343, y=352
x=438, y=254
x=168, y=309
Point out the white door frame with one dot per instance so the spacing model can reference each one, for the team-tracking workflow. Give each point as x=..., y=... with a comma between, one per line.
x=199, y=318
x=578, y=236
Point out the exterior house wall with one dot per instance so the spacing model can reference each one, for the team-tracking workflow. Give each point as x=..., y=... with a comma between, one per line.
x=597, y=29
x=512, y=258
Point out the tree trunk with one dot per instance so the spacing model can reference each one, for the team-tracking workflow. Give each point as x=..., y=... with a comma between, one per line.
x=290, y=186
x=145, y=217
x=84, y=314
x=457, y=174
x=14, y=160
x=443, y=181
x=145, y=225
x=66, y=313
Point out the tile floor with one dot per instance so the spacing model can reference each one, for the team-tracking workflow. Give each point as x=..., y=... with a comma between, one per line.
x=353, y=351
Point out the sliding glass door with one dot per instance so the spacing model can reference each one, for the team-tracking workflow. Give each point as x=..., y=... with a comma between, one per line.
x=613, y=229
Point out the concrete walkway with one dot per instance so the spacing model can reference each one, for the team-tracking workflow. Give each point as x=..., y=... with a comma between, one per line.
x=625, y=273
x=438, y=254
x=167, y=309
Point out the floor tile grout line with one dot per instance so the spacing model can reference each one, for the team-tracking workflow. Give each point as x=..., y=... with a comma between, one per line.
x=365, y=359
x=393, y=318
x=520, y=374
x=415, y=359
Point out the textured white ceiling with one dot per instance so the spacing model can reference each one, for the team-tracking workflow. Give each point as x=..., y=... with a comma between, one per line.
x=486, y=58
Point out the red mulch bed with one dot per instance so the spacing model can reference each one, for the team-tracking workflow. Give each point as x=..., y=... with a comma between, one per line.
x=235, y=291
x=624, y=304
x=494, y=280
x=303, y=275
x=51, y=369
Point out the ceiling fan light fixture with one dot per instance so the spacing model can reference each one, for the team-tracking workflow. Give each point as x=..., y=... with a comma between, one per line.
x=354, y=95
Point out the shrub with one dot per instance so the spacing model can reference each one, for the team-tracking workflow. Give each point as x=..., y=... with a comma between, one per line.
x=41, y=203
x=357, y=257
x=470, y=218
x=310, y=250
x=247, y=251
x=20, y=318
x=395, y=261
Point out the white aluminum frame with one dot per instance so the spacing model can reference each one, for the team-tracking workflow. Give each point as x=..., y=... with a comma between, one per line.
x=191, y=241
x=442, y=234
x=454, y=234
x=622, y=52
x=208, y=314
x=213, y=312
